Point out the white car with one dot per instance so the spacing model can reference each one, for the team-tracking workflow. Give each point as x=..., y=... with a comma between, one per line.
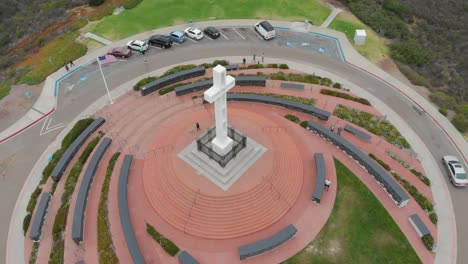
x=194, y=33
x=137, y=45
x=455, y=170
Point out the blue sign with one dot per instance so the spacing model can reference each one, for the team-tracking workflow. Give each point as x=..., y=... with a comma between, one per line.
x=51, y=157
x=322, y=50
x=28, y=94
x=83, y=78
x=289, y=43
x=190, y=21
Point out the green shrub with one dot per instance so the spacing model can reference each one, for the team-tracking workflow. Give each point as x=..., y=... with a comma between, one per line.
x=143, y=81
x=443, y=111
x=302, y=100
x=326, y=81
x=129, y=4
x=397, y=176
x=337, y=85
x=344, y=96
x=383, y=164
x=278, y=76
x=428, y=241
x=96, y=2
x=26, y=221
x=206, y=65
x=411, y=52
x=220, y=62
x=421, y=176
x=460, y=122
x=274, y=65
x=304, y=124
x=443, y=100
x=77, y=129
x=171, y=88
x=105, y=246
x=33, y=256
x=177, y=69
x=256, y=66
x=165, y=243
x=293, y=118
x=283, y=66
x=434, y=218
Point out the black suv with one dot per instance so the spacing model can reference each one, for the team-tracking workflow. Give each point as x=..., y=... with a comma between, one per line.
x=212, y=32
x=160, y=41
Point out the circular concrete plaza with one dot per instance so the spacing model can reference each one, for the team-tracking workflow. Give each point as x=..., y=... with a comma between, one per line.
x=193, y=212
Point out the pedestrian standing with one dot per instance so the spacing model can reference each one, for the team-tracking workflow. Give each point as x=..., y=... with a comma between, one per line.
x=327, y=184
x=243, y=60
x=263, y=57
x=198, y=126
x=254, y=57
x=141, y=50
x=71, y=63
x=66, y=66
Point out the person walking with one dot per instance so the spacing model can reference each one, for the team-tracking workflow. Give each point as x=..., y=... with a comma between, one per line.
x=263, y=57
x=243, y=60
x=66, y=66
x=327, y=184
x=254, y=57
x=141, y=50
x=198, y=126
x=71, y=63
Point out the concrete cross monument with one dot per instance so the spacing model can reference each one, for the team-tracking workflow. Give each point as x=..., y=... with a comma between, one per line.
x=221, y=144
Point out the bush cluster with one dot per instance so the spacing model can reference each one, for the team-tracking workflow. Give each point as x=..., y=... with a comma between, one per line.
x=293, y=118
x=177, y=69
x=305, y=78
x=304, y=124
x=129, y=4
x=337, y=85
x=143, y=81
x=255, y=66
x=428, y=241
x=283, y=66
x=345, y=96
x=434, y=218
x=77, y=129
x=372, y=124
x=165, y=243
x=443, y=111
x=421, y=176
x=418, y=197
x=105, y=246
x=302, y=100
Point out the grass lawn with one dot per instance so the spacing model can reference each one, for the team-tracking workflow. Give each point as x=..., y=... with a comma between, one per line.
x=59, y=50
x=5, y=88
x=375, y=48
x=156, y=14
x=359, y=230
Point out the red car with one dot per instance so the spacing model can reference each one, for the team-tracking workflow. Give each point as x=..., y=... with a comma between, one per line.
x=122, y=52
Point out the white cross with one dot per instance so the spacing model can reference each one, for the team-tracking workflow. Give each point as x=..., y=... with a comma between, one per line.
x=221, y=144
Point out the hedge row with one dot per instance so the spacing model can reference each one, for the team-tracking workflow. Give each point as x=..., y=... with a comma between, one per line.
x=418, y=174
x=165, y=243
x=262, y=66
x=77, y=129
x=428, y=241
x=418, y=197
x=305, y=78
x=303, y=100
x=105, y=247
x=33, y=256
x=345, y=96
x=58, y=229
x=296, y=120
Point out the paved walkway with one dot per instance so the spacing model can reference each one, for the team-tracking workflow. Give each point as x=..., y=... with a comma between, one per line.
x=98, y=38
x=331, y=17
x=447, y=246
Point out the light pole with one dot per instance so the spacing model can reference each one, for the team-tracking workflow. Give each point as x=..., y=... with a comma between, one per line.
x=105, y=83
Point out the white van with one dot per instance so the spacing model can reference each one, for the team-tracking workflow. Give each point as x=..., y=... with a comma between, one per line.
x=265, y=29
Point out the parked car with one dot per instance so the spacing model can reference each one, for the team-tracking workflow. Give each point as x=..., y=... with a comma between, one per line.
x=160, y=41
x=137, y=45
x=456, y=172
x=265, y=29
x=194, y=33
x=122, y=52
x=177, y=36
x=212, y=32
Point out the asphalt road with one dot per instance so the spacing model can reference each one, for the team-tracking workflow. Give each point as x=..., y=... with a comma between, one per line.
x=84, y=87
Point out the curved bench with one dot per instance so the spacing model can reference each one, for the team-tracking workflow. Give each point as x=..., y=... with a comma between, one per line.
x=418, y=225
x=171, y=79
x=320, y=177
x=240, y=81
x=39, y=217
x=307, y=109
x=81, y=200
x=185, y=258
x=74, y=147
x=132, y=243
x=268, y=244
x=357, y=132
x=399, y=196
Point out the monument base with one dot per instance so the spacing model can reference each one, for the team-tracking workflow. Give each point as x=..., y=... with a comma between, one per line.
x=222, y=147
x=223, y=177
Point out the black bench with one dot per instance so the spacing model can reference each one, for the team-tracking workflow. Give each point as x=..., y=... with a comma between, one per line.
x=292, y=86
x=320, y=177
x=74, y=147
x=359, y=133
x=171, y=79
x=419, y=225
x=132, y=243
x=387, y=182
x=267, y=244
x=246, y=80
x=185, y=258
x=82, y=198
x=39, y=217
x=232, y=67
x=304, y=108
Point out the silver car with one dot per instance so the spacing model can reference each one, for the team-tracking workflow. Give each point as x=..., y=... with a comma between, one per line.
x=456, y=172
